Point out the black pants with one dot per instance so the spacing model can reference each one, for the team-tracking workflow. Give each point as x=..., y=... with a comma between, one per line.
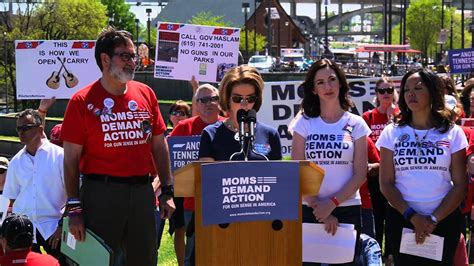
x=379, y=205
x=349, y=215
x=123, y=215
x=56, y=252
x=449, y=228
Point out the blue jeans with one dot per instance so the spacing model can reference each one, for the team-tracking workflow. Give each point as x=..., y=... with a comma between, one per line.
x=368, y=222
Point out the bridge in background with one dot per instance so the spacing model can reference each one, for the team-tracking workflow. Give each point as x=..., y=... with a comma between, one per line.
x=468, y=5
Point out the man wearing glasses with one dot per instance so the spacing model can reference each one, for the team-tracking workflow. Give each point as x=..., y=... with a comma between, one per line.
x=35, y=183
x=113, y=135
x=207, y=109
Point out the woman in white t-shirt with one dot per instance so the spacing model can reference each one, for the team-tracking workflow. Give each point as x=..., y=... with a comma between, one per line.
x=336, y=140
x=423, y=169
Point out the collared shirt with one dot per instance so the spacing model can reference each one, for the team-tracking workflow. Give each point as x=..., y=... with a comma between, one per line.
x=37, y=185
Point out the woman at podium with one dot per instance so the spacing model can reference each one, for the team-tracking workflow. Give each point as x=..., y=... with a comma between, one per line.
x=326, y=133
x=240, y=92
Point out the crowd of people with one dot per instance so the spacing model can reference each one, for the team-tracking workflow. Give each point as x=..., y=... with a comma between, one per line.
x=404, y=164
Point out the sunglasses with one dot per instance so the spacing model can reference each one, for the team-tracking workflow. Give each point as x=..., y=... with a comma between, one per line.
x=207, y=99
x=242, y=99
x=388, y=90
x=2, y=171
x=26, y=127
x=178, y=113
x=126, y=56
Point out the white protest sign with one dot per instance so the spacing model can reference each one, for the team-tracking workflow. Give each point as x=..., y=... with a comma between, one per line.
x=184, y=50
x=54, y=68
x=281, y=102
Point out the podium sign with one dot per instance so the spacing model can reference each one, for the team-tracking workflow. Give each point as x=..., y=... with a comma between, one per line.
x=260, y=191
x=263, y=243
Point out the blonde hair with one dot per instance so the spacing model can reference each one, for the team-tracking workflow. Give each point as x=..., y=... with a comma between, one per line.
x=389, y=81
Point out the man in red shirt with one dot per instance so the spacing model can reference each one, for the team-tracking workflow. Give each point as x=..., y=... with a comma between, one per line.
x=113, y=135
x=207, y=108
x=16, y=240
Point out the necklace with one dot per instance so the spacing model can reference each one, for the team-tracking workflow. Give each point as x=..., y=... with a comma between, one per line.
x=419, y=143
x=231, y=127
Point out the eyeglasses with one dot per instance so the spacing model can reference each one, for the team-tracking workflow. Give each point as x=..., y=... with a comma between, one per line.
x=242, y=99
x=207, y=99
x=26, y=127
x=178, y=113
x=126, y=56
x=388, y=90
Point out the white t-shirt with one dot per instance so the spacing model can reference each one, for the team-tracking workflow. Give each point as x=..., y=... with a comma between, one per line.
x=331, y=146
x=422, y=168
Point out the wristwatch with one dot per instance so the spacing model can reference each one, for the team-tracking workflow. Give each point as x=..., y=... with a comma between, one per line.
x=434, y=219
x=167, y=190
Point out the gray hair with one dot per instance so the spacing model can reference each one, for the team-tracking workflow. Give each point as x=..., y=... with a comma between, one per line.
x=206, y=86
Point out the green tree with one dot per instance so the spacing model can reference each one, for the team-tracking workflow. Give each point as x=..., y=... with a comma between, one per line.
x=208, y=19
x=423, y=25
x=261, y=42
x=51, y=20
x=70, y=19
x=119, y=15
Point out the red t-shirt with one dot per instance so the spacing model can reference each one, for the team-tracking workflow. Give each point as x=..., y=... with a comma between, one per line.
x=376, y=121
x=190, y=127
x=470, y=139
x=373, y=157
x=466, y=205
x=113, y=129
x=27, y=258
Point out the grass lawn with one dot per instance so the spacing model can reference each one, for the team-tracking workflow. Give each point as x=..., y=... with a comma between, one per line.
x=166, y=256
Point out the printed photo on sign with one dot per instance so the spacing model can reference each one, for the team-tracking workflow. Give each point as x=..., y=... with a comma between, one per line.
x=249, y=191
x=168, y=47
x=222, y=69
x=49, y=68
x=186, y=50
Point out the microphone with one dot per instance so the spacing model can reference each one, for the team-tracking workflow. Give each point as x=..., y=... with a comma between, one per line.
x=241, y=120
x=251, y=120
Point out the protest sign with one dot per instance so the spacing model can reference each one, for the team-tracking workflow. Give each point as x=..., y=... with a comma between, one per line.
x=183, y=150
x=184, y=50
x=54, y=68
x=249, y=191
x=461, y=60
x=282, y=102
